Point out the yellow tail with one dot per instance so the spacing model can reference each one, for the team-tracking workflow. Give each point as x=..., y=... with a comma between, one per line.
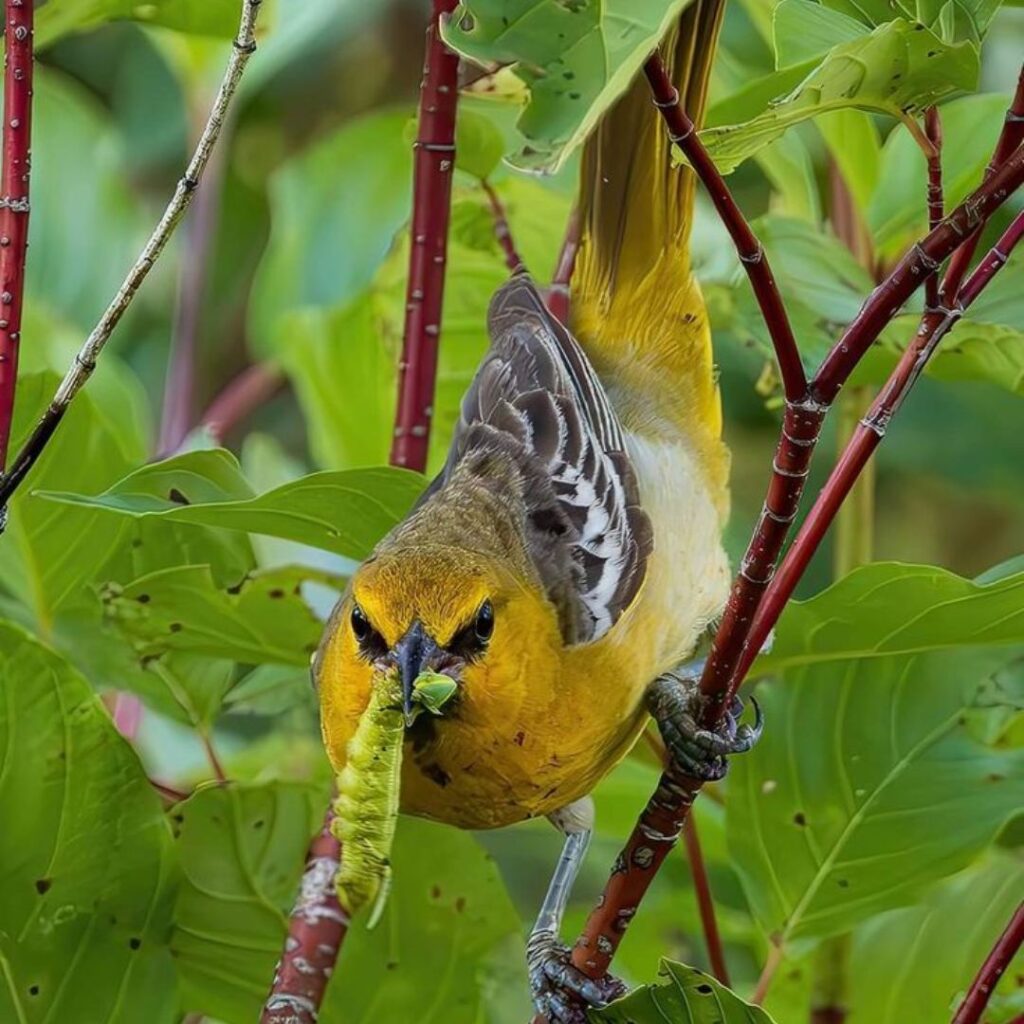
x=635, y=305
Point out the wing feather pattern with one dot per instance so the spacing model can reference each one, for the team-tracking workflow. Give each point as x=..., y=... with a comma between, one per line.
x=537, y=398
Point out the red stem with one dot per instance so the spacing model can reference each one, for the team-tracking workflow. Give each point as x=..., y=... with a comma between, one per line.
x=735, y=644
x=995, y=963
x=683, y=133
x=933, y=132
x=705, y=902
x=242, y=396
x=14, y=200
x=1009, y=139
x=501, y=229
x=431, y=206
x=558, y=293
x=316, y=930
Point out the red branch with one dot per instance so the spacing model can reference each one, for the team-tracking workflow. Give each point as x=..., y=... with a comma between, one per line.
x=705, y=902
x=502, y=231
x=558, y=293
x=431, y=206
x=995, y=963
x=735, y=646
x=933, y=132
x=683, y=133
x=241, y=397
x=316, y=930
x=14, y=202
x=1009, y=139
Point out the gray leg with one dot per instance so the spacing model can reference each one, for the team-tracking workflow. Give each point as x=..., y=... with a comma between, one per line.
x=676, y=703
x=560, y=991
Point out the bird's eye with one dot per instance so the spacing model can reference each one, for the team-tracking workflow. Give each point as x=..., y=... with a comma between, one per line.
x=483, y=626
x=360, y=624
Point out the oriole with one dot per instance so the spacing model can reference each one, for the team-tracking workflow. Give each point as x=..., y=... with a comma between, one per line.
x=569, y=553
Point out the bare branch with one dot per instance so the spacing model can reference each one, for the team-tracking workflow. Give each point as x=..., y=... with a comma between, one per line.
x=558, y=293
x=243, y=47
x=502, y=231
x=991, y=970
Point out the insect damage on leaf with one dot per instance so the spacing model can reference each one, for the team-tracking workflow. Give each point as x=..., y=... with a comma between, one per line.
x=368, y=788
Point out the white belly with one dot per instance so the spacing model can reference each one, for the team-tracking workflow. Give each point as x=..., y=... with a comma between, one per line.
x=688, y=574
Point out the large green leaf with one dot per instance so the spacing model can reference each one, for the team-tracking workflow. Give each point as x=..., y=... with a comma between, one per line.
x=952, y=20
x=804, y=30
x=688, y=996
x=242, y=850
x=345, y=512
x=197, y=17
x=888, y=608
x=187, y=688
x=871, y=783
x=264, y=619
x=443, y=946
x=899, y=67
x=84, y=854
x=912, y=966
x=575, y=58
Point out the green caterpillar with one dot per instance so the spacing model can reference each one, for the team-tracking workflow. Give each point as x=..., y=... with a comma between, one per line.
x=366, y=810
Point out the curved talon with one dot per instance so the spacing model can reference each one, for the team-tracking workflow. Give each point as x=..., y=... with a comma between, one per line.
x=562, y=992
x=676, y=703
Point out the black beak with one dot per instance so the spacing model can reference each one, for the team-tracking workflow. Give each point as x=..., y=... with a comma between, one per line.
x=413, y=653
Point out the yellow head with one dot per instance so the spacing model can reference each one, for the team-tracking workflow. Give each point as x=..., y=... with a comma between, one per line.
x=449, y=610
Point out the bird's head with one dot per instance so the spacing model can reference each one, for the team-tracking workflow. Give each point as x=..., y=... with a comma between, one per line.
x=441, y=609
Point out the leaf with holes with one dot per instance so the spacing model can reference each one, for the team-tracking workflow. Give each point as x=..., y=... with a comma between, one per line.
x=576, y=58
x=871, y=783
x=264, y=619
x=688, y=996
x=85, y=855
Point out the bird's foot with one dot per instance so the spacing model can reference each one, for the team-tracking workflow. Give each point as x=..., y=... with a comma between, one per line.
x=561, y=992
x=676, y=704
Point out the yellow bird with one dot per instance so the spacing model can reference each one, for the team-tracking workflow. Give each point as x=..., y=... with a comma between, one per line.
x=569, y=554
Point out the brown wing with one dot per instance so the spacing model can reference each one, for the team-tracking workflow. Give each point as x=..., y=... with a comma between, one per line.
x=537, y=397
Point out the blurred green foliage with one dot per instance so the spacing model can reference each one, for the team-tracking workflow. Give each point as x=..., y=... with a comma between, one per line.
x=882, y=802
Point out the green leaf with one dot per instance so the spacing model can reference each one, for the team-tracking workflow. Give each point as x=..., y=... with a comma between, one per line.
x=196, y=17
x=187, y=688
x=899, y=67
x=49, y=554
x=84, y=854
x=575, y=58
x=854, y=618
x=788, y=165
x=688, y=996
x=263, y=619
x=804, y=30
x=271, y=690
x=897, y=213
x=242, y=851
x=953, y=21
x=871, y=784
x=346, y=512
x=447, y=932
x=913, y=966
x=479, y=145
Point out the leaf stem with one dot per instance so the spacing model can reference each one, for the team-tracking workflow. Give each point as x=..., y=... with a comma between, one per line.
x=771, y=965
x=211, y=755
x=241, y=397
x=428, y=253
x=705, y=901
x=991, y=970
x=502, y=231
x=558, y=293
x=14, y=202
x=242, y=48
x=936, y=203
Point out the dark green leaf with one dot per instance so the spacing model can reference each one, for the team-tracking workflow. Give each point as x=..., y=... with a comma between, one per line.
x=84, y=854
x=576, y=59
x=271, y=689
x=242, y=851
x=688, y=996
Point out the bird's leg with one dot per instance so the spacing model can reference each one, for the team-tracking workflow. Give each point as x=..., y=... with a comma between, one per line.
x=561, y=992
x=676, y=703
